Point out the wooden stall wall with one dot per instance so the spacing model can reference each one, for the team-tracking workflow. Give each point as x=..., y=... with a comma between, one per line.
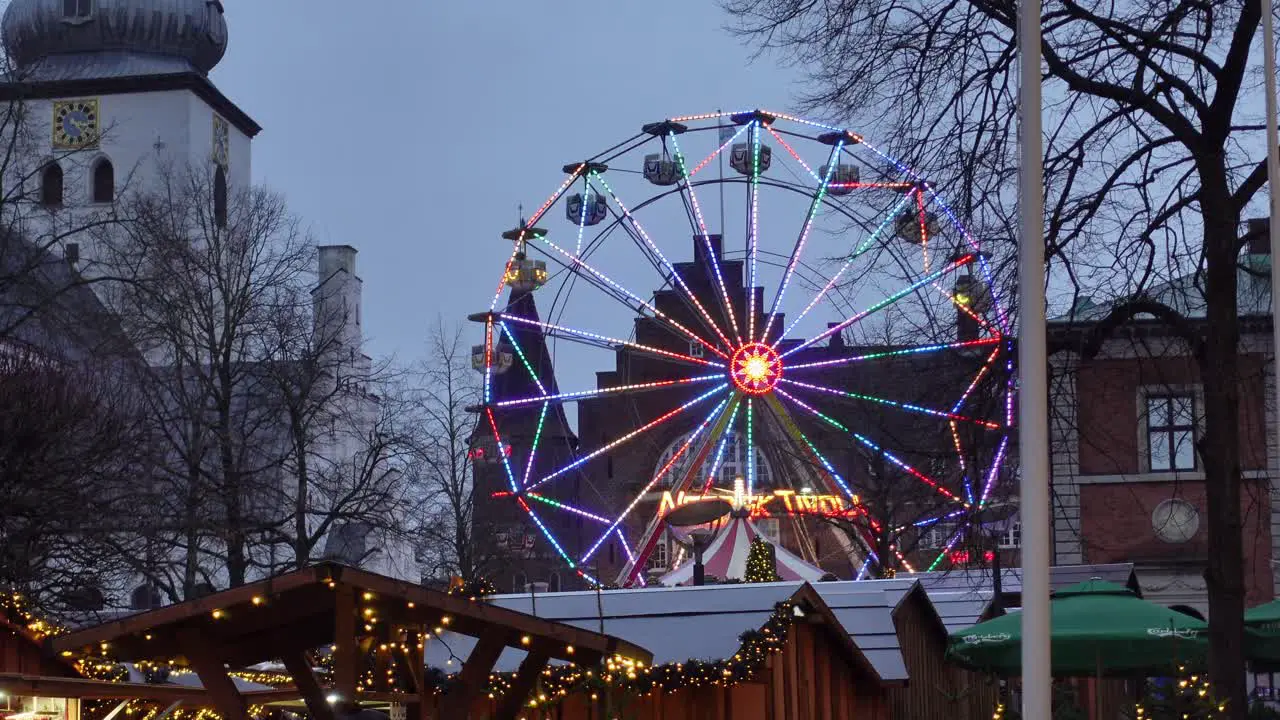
x=936, y=689
x=24, y=656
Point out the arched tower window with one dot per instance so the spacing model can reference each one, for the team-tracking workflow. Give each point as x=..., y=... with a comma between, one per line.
x=104, y=181
x=220, y=197
x=51, y=185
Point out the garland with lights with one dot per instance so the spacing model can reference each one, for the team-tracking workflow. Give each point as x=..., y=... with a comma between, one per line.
x=627, y=677
x=761, y=563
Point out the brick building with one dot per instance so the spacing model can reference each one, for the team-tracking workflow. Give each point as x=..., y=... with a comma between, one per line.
x=1126, y=411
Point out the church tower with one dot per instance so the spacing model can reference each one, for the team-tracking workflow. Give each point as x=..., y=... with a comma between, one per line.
x=105, y=96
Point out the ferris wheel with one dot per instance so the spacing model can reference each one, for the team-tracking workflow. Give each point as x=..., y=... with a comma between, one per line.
x=744, y=305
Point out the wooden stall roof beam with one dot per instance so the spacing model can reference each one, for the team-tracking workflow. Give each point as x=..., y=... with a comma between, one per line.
x=516, y=697
x=39, y=686
x=312, y=694
x=246, y=614
x=456, y=704
x=203, y=654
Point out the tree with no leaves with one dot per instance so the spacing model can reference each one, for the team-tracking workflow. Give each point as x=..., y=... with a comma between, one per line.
x=1151, y=158
x=207, y=287
x=443, y=471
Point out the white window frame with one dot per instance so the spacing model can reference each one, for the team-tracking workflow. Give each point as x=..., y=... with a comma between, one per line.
x=1196, y=393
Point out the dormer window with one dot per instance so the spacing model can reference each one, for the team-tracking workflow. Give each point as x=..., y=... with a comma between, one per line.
x=77, y=10
x=213, y=19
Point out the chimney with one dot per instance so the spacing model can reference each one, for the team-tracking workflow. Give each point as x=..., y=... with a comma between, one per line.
x=836, y=340
x=337, y=299
x=1259, y=234
x=700, y=243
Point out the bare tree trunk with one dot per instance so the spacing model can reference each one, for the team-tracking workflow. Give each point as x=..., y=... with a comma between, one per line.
x=1220, y=449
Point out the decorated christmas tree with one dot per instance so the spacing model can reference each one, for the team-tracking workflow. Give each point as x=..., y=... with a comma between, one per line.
x=761, y=562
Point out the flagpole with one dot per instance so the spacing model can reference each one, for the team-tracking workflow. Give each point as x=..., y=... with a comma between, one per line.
x=1033, y=380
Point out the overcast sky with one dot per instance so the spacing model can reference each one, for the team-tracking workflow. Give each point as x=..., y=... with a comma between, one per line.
x=412, y=129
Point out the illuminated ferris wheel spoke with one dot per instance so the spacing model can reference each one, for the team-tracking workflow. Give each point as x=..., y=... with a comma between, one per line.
x=814, y=206
x=577, y=262
x=690, y=295
x=658, y=476
x=753, y=227
x=724, y=442
x=656, y=523
x=913, y=287
x=982, y=372
x=524, y=359
x=784, y=416
x=497, y=438
x=900, y=352
x=894, y=459
x=551, y=538
x=848, y=262
x=604, y=341
x=906, y=407
x=751, y=443
x=994, y=471
x=726, y=306
x=533, y=448
x=565, y=507
x=629, y=436
x=602, y=392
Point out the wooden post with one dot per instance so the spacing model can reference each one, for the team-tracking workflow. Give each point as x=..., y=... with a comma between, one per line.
x=345, y=650
x=415, y=661
x=204, y=658
x=518, y=693
x=456, y=704
x=308, y=686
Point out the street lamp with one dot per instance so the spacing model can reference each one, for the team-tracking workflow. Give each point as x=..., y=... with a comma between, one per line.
x=993, y=520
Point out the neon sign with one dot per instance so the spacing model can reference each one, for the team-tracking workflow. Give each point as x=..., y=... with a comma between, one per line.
x=778, y=502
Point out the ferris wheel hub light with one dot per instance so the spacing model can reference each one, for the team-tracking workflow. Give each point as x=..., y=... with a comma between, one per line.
x=755, y=368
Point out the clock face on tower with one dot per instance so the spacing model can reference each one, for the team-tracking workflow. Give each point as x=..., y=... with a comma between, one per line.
x=75, y=124
x=221, y=141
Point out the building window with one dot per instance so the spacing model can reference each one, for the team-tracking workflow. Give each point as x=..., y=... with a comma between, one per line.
x=104, y=181
x=76, y=9
x=937, y=535
x=220, y=197
x=769, y=528
x=660, y=558
x=51, y=186
x=1012, y=537
x=1171, y=430
x=553, y=583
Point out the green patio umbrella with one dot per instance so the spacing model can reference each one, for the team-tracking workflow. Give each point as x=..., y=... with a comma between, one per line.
x=1263, y=625
x=1098, y=628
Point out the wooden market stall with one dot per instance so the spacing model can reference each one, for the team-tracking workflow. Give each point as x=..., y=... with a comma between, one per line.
x=844, y=651
x=350, y=611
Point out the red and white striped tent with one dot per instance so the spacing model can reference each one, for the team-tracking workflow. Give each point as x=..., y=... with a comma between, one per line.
x=726, y=557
